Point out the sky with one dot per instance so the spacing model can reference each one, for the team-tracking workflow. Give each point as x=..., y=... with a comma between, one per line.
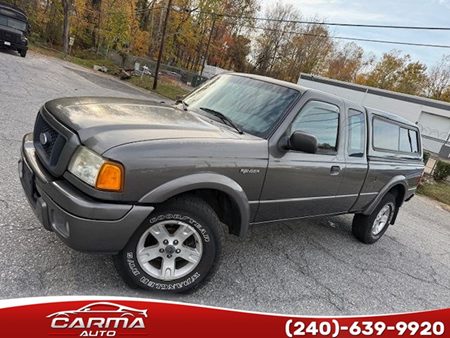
x=384, y=12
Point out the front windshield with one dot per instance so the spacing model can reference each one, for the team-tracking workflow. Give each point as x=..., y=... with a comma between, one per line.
x=254, y=105
x=13, y=23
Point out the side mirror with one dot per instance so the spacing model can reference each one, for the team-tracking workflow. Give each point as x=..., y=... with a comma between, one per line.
x=301, y=141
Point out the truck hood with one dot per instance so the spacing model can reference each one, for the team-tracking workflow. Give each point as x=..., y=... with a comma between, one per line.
x=104, y=123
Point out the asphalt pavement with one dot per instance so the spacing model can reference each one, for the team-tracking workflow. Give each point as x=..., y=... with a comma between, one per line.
x=309, y=267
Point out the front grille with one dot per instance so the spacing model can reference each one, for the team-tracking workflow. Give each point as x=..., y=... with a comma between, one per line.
x=44, y=128
x=9, y=36
x=48, y=142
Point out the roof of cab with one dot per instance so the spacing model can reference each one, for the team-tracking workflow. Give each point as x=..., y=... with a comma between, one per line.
x=271, y=80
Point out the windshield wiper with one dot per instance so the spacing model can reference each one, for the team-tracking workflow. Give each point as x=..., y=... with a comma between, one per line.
x=224, y=118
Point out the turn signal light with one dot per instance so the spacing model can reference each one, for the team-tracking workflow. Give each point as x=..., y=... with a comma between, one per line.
x=110, y=177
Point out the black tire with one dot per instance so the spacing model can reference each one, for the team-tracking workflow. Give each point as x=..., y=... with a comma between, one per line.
x=23, y=53
x=192, y=211
x=364, y=225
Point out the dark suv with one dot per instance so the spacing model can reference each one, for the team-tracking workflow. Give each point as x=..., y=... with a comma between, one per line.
x=154, y=184
x=13, y=28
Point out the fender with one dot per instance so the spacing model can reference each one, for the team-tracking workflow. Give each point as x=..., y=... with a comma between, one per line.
x=399, y=179
x=203, y=181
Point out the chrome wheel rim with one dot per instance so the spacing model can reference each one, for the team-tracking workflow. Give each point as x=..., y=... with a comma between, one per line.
x=382, y=219
x=169, y=250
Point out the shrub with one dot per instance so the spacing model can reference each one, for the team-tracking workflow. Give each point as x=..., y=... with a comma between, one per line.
x=426, y=157
x=441, y=171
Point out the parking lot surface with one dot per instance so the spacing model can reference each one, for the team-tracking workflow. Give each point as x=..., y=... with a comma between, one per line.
x=305, y=267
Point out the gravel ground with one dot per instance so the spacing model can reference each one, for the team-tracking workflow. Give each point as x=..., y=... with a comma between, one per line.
x=306, y=267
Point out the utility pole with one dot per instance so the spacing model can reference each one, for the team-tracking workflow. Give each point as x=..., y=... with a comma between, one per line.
x=161, y=46
x=209, y=43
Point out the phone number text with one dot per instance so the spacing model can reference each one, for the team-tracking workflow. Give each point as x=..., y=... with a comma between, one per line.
x=332, y=328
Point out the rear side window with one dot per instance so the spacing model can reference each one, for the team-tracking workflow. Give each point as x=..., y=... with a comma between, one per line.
x=356, y=133
x=392, y=137
x=414, y=137
x=408, y=140
x=405, y=144
x=385, y=135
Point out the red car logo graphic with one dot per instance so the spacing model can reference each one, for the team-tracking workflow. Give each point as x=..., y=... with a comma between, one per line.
x=102, y=308
x=99, y=319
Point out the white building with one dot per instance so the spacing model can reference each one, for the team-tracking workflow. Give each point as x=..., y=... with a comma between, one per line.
x=432, y=116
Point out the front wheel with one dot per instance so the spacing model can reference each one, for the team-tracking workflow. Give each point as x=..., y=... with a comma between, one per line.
x=369, y=228
x=23, y=53
x=176, y=250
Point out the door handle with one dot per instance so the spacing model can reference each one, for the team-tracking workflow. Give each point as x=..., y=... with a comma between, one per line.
x=335, y=170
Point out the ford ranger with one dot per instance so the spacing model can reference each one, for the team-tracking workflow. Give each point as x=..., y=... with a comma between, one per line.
x=157, y=184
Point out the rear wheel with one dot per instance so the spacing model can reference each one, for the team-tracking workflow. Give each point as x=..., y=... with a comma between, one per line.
x=369, y=228
x=176, y=250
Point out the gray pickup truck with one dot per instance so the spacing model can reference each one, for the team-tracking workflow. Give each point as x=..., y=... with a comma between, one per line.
x=157, y=184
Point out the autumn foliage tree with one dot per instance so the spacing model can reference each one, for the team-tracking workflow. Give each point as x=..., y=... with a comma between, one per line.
x=439, y=80
x=279, y=47
x=397, y=73
x=345, y=62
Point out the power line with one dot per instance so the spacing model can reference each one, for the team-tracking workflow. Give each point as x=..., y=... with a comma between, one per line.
x=304, y=22
x=308, y=22
x=352, y=38
x=330, y=23
x=327, y=24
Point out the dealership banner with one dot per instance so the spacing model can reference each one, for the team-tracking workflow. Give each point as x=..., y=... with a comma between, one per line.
x=132, y=317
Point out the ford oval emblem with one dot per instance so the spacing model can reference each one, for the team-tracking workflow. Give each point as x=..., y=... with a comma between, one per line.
x=43, y=138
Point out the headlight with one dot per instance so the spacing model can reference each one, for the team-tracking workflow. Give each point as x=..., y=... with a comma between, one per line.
x=96, y=171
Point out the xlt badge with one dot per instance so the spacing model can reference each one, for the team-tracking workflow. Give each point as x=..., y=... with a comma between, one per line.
x=249, y=171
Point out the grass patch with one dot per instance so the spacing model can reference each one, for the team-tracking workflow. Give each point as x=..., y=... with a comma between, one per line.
x=437, y=190
x=113, y=69
x=89, y=62
x=165, y=88
x=46, y=51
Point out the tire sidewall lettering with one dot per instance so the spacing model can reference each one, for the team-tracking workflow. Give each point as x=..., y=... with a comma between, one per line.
x=142, y=278
x=202, y=231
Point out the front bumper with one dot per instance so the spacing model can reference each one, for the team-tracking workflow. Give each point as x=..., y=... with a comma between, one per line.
x=81, y=222
x=13, y=45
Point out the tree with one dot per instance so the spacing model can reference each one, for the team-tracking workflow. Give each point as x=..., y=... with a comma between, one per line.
x=274, y=37
x=238, y=48
x=446, y=95
x=345, y=63
x=67, y=6
x=398, y=73
x=386, y=71
x=412, y=79
x=439, y=79
x=280, y=48
x=117, y=23
x=306, y=52
x=284, y=48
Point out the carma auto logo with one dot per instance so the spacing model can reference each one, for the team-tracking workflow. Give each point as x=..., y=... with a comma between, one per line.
x=101, y=319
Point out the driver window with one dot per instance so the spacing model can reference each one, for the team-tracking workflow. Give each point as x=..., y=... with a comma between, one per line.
x=321, y=120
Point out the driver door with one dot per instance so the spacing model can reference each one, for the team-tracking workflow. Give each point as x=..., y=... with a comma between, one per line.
x=300, y=184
